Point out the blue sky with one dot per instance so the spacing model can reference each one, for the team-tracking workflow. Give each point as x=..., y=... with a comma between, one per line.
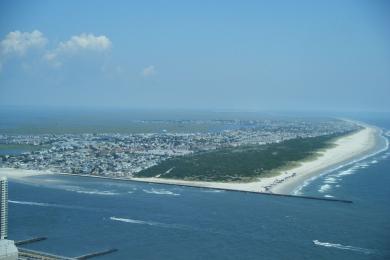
x=246, y=55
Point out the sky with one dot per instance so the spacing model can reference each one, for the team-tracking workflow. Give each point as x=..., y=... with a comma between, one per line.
x=327, y=55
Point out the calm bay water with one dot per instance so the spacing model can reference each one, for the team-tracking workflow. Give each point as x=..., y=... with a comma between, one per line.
x=144, y=221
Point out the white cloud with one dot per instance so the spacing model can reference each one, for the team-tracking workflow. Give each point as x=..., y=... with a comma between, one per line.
x=149, y=71
x=20, y=42
x=78, y=43
x=85, y=42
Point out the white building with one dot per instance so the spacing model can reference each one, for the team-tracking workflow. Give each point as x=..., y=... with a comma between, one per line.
x=3, y=207
x=8, y=250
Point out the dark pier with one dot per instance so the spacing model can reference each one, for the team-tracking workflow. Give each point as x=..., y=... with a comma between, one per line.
x=211, y=188
x=34, y=254
x=105, y=252
x=253, y=192
x=28, y=241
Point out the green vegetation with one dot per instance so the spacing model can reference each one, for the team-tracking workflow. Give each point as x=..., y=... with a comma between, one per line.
x=242, y=163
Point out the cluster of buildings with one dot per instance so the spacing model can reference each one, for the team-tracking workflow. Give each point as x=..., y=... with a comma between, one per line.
x=123, y=155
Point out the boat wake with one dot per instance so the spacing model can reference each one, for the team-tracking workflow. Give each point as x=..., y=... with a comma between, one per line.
x=41, y=204
x=343, y=247
x=150, y=223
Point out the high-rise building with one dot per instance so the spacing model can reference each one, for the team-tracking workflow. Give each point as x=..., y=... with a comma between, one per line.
x=8, y=250
x=3, y=208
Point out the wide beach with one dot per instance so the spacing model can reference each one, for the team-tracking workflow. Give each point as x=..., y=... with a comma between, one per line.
x=346, y=149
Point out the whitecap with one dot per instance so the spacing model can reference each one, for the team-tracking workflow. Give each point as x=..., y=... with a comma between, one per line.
x=328, y=196
x=330, y=180
x=160, y=192
x=363, y=166
x=324, y=188
x=346, y=172
x=343, y=247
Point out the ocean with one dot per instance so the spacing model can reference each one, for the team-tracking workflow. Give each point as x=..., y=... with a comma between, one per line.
x=150, y=221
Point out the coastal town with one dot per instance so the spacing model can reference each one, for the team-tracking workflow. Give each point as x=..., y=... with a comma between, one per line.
x=124, y=155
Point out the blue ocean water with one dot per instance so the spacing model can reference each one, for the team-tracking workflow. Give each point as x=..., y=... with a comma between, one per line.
x=144, y=221
x=11, y=151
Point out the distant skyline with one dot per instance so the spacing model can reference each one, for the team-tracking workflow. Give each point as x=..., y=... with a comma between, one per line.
x=219, y=55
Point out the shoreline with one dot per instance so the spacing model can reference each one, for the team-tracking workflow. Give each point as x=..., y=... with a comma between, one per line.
x=364, y=143
x=378, y=145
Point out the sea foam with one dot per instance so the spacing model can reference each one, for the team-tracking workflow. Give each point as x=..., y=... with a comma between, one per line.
x=298, y=190
x=160, y=192
x=90, y=191
x=324, y=188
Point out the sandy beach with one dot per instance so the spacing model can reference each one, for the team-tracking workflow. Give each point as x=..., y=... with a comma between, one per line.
x=347, y=148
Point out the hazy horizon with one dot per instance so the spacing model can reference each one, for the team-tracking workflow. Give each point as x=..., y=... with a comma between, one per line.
x=322, y=56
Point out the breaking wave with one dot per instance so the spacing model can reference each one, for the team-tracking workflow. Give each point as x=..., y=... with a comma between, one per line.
x=330, y=180
x=343, y=247
x=161, y=192
x=324, y=188
x=356, y=164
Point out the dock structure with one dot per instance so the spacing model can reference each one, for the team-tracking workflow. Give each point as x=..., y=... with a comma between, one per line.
x=38, y=255
x=25, y=254
x=245, y=191
x=28, y=241
x=105, y=252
